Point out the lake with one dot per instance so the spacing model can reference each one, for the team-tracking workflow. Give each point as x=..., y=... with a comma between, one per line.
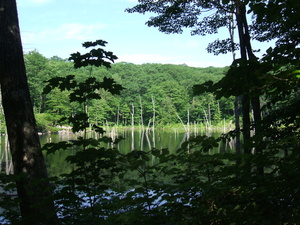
x=133, y=140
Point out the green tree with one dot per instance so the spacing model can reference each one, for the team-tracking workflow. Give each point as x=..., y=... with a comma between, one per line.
x=178, y=94
x=103, y=110
x=35, y=69
x=59, y=105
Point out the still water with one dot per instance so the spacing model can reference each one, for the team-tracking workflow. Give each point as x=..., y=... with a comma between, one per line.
x=133, y=140
x=136, y=140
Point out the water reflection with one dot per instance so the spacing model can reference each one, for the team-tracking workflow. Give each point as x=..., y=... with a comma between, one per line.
x=6, y=165
x=141, y=139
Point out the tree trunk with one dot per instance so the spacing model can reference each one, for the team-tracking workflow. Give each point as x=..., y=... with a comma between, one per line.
x=246, y=53
x=246, y=122
x=237, y=124
x=255, y=100
x=237, y=98
x=32, y=184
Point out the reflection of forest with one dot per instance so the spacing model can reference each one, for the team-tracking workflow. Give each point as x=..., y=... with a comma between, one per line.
x=133, y=140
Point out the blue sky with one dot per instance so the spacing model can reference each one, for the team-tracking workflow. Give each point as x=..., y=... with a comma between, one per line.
x=59, y=27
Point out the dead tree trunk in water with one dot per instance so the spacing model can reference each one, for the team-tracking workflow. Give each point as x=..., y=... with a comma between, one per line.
x=32, y=184
x=141, y=113
x=154, y=113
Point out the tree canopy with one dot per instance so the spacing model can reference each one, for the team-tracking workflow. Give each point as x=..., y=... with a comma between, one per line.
x=168, y=84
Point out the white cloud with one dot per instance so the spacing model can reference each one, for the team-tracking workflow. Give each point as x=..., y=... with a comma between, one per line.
x=62, y=40
x=78, y=31
x=71, y=31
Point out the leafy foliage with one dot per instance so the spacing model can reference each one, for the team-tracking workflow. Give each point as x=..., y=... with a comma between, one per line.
x=168, y=85
x=96, y=57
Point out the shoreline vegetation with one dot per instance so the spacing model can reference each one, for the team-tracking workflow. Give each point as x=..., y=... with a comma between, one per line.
x=196, y=128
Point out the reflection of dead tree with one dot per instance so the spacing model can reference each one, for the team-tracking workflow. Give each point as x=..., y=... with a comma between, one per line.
x=187, y=131
x=175, y=132
x=148, y=140
x=142, y=133
x=153, y=139
x=113, y=135
x=132, y=140
x=195, y=128
x=132, y=127
x=148, y=131
x=8, y=160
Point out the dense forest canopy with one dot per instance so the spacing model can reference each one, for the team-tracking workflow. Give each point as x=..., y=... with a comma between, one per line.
x=168, y=86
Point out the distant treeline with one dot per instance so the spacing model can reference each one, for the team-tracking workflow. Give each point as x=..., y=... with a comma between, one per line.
x=153, y=93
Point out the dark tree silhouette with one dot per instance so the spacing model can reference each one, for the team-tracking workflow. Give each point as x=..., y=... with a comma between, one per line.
x=32, y=183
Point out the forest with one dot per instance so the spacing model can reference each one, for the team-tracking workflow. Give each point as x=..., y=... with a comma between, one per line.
x=256, y=184
x=166, y=90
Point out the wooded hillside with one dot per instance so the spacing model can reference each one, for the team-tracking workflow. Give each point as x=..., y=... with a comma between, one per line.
x=163, y=92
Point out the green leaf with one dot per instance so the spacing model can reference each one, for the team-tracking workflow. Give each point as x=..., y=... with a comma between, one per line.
x=202, y=88
x=297, y=73
x=98, y=129
x=272, y=90
x=79, y=121
x=94, y=43
x=155, y=152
